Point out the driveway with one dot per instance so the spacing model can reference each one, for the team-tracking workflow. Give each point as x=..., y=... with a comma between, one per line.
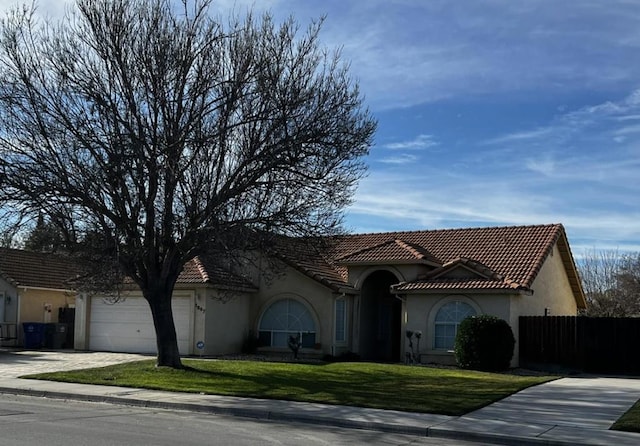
x=14, y=363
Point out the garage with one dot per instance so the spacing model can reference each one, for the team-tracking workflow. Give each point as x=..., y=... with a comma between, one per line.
x=127, y=325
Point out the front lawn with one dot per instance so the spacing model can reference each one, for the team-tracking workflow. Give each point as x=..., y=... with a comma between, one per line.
x=630, y=421
x=384, y=386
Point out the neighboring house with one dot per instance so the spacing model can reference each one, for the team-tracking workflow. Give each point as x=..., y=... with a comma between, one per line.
x=33, y=287
x=359, y=296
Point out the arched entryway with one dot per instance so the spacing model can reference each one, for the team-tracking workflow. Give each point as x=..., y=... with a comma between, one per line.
x=380, y=318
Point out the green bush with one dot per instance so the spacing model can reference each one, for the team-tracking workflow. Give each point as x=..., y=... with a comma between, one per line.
x=484, y=343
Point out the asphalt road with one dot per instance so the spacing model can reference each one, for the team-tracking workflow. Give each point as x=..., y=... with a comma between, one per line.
x=27, y=421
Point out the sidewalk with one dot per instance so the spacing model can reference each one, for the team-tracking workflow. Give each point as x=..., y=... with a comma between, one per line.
x=567, y=411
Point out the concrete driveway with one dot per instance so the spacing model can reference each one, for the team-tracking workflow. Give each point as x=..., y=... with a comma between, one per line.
x=14, y=363
x=577, y=410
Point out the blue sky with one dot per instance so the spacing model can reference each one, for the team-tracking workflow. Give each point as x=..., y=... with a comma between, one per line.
x=491, y=112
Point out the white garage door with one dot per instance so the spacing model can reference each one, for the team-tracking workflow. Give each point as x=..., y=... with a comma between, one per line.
x=127, y=326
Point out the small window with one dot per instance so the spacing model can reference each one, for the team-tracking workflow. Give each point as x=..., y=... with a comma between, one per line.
x=341, y=320
x=286, y=318
x=447, y=321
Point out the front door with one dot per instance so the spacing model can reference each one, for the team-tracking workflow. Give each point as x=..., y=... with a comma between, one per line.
x=380, y=319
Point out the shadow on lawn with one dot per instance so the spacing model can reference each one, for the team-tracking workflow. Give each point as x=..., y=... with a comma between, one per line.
x=365, y=388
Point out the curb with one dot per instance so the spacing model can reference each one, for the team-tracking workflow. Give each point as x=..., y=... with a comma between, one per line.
x=261, y=414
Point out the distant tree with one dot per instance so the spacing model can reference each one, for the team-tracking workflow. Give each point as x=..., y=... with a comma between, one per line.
x=628, y=280
x=611, y=283
x=44, y=237
x=168, y=134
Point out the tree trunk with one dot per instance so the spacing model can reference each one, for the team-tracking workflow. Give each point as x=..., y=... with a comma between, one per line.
x=166, y=338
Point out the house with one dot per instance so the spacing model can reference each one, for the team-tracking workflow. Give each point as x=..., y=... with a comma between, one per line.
x=33, y=287
x=374, y=287
x=359, y=295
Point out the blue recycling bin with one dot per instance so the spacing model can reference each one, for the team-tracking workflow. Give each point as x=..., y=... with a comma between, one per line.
x=33, y=334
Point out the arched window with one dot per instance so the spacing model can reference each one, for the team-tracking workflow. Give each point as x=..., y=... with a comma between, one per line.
x=446, y=323
x=284, y=318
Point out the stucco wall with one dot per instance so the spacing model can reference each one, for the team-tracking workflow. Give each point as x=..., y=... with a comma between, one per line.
x=28, y=305
x=81, y=326
x=33, y=301
x=551, y=289
x=227, y=322
x=421, y=311
x=316, y=297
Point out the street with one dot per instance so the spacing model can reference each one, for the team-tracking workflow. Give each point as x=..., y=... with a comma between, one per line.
x=27, y=421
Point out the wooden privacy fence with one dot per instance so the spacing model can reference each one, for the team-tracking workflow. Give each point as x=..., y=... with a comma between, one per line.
x=589, y=344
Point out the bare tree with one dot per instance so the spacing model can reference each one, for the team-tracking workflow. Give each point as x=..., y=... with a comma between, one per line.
x=629, y=281
x=170, y=134
x=611, y=281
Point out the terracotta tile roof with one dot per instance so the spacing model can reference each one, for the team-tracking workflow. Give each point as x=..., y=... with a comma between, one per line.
x=314, y=260
x=389, y=252
x=503, y=257
x=470, y=264
x=509, y=257
x=45, y=270
x=455, y=284
x=481, y=278
x=36, y=269
x=204, y=270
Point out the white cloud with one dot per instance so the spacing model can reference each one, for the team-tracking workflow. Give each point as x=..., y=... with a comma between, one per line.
x=517, y=137
x=418, y=143
x=627, y=130
x=407, y=52
x=410, y=52
x=405, y=158
x=44, y=8
x=606, y=121
x=628, y=118
x=391, y=201
x=545, y=165
x=569, y=171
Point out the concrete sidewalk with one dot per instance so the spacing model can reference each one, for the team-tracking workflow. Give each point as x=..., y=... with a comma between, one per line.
x=567, y=411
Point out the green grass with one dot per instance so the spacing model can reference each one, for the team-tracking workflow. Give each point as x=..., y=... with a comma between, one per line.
x=384, y=386
x=630, y=421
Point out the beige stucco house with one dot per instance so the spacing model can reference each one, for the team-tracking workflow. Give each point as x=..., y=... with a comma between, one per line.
x=372, y=288
x=33, y=287
x=359, y=295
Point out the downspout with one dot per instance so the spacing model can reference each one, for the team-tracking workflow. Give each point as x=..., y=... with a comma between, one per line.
x=335, y=323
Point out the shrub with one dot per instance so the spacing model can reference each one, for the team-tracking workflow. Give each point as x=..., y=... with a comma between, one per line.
x=342, y=357
x=484, y=343
x=250, y=344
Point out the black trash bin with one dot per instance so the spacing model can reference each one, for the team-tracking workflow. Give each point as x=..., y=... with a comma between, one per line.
x=33, y=334
x=55, y=335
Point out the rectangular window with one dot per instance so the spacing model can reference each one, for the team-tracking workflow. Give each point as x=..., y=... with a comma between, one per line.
x=308, y=340
x=2, y=305
x=445, y=336
x=341, y=320
x=280, y=339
